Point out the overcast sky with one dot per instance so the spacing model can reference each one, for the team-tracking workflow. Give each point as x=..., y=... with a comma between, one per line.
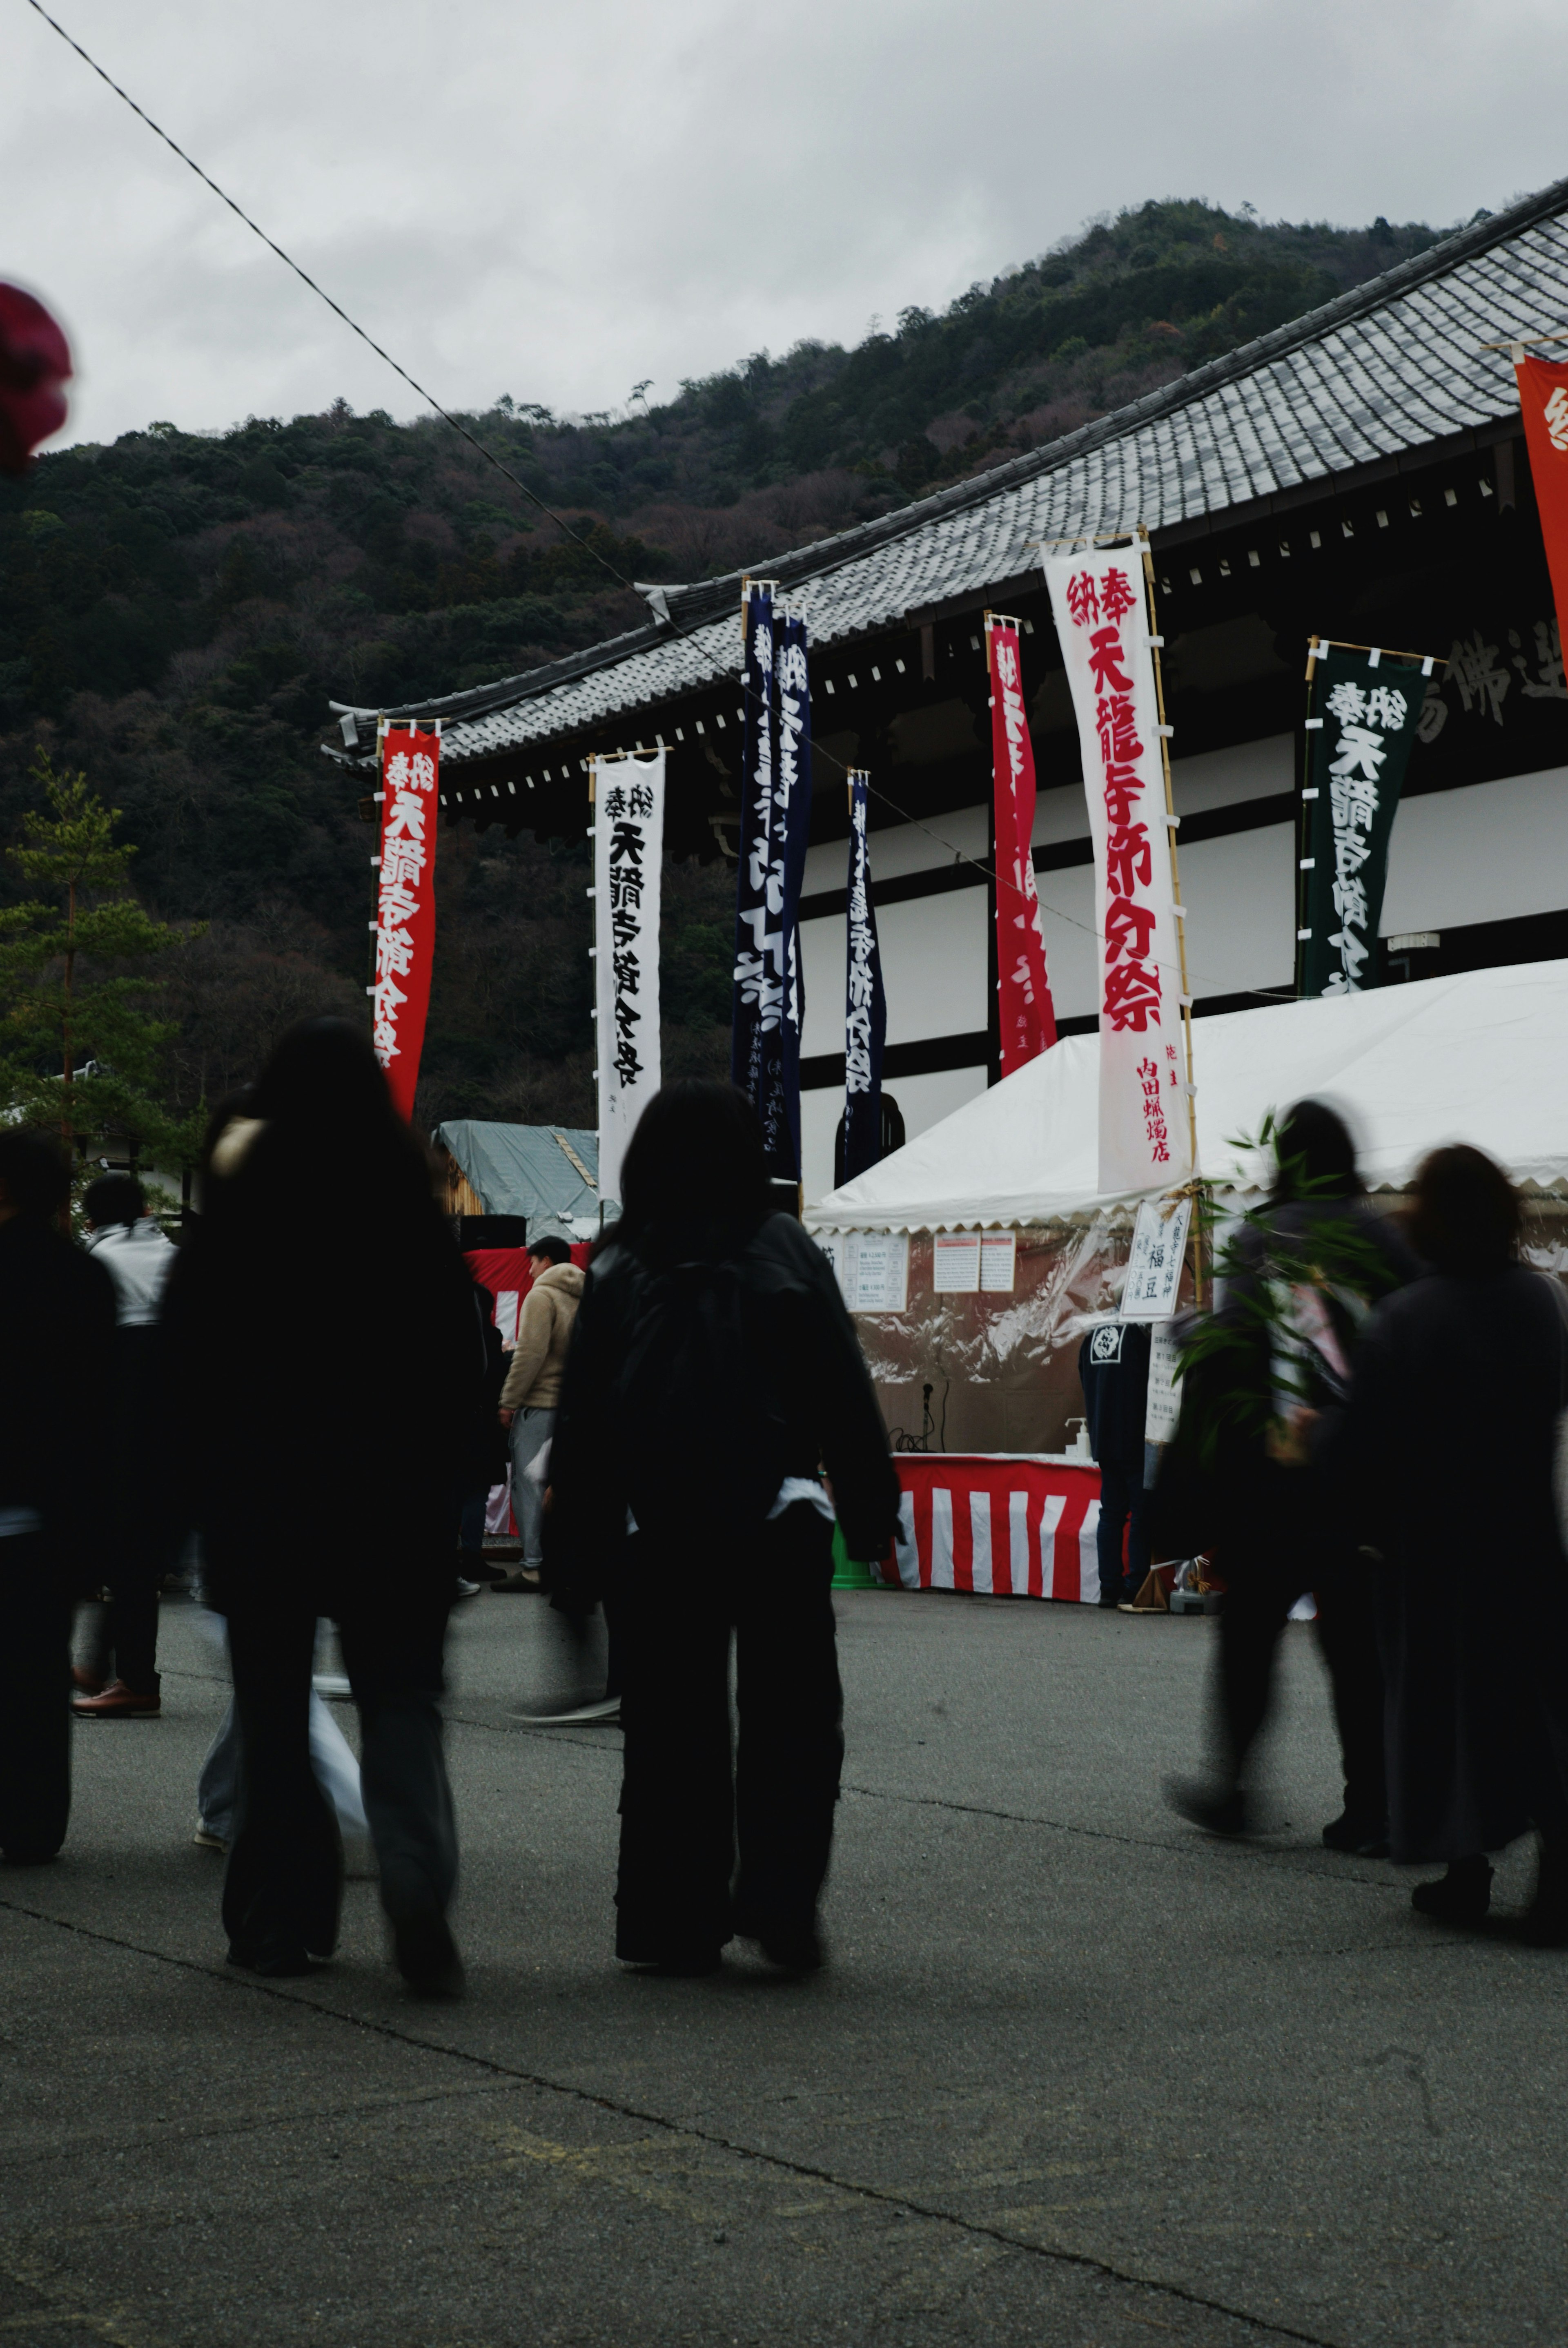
x=559, y=200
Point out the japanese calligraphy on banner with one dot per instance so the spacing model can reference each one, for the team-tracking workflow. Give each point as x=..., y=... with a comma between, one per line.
x=406, y=906
x=1101, y=620
x=769, y=1001
x=1155, y=1263
x=865, y=1004
x=1543, y=405
x=628, y=852
x=1364, y=709
x=1028, y=1016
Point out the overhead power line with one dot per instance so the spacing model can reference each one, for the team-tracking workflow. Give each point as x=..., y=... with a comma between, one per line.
x=446, y=415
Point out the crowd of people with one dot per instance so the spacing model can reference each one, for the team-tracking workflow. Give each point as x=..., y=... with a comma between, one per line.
x=1372, y=1418
x=685, y=1419
x=321, y=1419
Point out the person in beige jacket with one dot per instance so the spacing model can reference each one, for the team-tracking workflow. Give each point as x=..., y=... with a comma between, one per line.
x=532, y=1387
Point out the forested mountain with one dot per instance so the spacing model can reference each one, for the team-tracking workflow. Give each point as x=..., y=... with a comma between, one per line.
x=176, y=610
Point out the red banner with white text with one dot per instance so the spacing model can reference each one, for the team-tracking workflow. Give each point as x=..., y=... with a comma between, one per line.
x=1025, y=1009
x=406, y=905
x=1103, y=623
x=1543, y=405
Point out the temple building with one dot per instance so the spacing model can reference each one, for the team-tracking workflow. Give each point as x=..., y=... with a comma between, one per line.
x=1358, y=474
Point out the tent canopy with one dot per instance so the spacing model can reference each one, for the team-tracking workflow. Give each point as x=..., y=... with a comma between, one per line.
x=1480, y=1058
x=548, y=1172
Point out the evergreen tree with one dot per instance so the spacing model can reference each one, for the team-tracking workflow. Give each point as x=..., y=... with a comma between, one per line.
x=79, y=1051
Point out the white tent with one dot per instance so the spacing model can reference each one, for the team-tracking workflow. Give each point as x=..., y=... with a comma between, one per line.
x=1480, y=1057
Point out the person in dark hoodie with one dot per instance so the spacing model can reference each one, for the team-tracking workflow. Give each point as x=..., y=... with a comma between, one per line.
x=1319, y=1247
x=713, y=1371
x=57, y=1349
x=333, y=1395
x=1446, y=1454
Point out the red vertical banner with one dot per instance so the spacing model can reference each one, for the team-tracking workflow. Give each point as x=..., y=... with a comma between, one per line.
x=1543, y=405
x=406, y=905
x=1028, y=1016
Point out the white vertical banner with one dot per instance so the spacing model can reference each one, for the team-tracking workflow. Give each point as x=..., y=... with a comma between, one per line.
x=628, y=853
x=1102, y=615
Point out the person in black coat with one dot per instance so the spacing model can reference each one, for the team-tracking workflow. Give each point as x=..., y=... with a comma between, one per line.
x=1270, y=1519
x=57, y=1351
x=1113, y=1371
x=713, y=1372
x=1445, y=1452
x=329, y=1362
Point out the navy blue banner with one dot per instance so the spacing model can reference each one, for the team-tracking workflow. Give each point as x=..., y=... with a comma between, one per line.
x=775, y=817
x=865, y=1004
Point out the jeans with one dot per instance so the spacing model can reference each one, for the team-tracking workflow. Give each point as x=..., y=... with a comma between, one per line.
x=1259, y=1594
x=332, y=1759
x=530, y=1431
x=35, y=1702
x=282, y=1890
x=686, y=1801
x=1123, y=1502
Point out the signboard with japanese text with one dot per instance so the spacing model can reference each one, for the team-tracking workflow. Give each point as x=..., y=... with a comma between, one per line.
x=628, y=855
x=1154, y=1265
x=1364, y=708
x=998, y=1262
x=956, y=1264
x=1024, y=1007
x=872, y=1268
x=1543, y=405
x=1163, y=1411
x=1101, y=620
x=866, y=1003
x=769, y=1005
x=406, y=906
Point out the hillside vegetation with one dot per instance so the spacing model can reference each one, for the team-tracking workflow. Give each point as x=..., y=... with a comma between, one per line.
x=177, y=610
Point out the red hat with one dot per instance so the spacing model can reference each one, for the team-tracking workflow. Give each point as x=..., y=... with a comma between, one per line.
x=35, y=364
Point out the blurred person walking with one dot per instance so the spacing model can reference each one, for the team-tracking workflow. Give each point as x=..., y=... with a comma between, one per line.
x=329, y=1367
x=1317, y=1257
x=531, y=1393
x=56, y=1340
x=713, y=1371
x=1446, y=1452
x=119, y=1680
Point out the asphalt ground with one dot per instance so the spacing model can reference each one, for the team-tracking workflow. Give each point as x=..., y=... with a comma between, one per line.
x=1074, y=2074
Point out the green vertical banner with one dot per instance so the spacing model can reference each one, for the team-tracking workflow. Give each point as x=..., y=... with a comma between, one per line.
x=1362, y=708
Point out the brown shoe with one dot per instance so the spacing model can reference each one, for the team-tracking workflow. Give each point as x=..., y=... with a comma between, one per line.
x=118, y=1702
x=88, y=1683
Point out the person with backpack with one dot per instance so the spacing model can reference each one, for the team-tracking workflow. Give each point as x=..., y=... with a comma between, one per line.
x=713, y=1371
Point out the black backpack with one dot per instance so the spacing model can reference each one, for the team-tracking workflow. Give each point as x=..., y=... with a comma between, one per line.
x=695, y=1418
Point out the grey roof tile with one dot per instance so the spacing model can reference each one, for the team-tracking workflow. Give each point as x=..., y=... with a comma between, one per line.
x=1377, y=371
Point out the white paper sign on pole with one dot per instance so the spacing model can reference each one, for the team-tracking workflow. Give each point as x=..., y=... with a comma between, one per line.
x=1103, y=621
x=1154, y=1265
x=628, y=855
x=1164, y=1409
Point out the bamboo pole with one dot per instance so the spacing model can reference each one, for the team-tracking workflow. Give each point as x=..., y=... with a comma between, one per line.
x=1155, y=643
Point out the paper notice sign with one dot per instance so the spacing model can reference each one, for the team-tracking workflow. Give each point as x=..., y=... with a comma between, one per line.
x=956, y=1264
x=998, y=1262
x=876, y=1277
x=1154, y=1267
x=1165, y=1405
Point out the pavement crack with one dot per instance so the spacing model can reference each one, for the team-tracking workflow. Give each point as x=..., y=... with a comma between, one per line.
x=717, y=2139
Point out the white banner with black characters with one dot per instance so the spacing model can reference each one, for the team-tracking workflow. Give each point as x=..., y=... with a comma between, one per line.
x=1103, y=624
x=628, y=852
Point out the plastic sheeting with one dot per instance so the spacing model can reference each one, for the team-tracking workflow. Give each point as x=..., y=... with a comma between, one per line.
x=524, y=1169
x=1478, y=1057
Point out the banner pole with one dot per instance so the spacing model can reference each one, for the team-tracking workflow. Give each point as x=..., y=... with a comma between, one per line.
x=1154, y=647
